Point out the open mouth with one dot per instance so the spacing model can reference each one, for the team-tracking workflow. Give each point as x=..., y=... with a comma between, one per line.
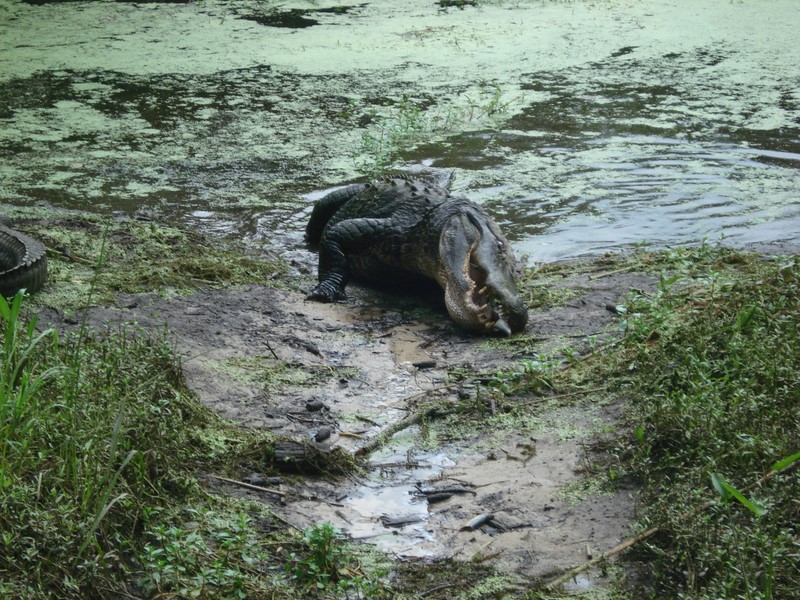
x=482, y=299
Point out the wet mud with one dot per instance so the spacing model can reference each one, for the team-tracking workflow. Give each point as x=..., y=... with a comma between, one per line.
x=343, y=373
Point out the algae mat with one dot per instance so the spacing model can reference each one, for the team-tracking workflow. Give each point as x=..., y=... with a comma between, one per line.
x=580, y=125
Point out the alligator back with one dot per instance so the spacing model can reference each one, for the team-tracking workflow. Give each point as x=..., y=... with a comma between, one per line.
x=392, y=222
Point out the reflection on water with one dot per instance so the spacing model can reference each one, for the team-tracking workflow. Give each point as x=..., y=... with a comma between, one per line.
x=620, y=190
x=391, y=494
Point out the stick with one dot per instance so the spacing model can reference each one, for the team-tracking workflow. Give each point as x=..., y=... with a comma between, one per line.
x=250, y=486
x=609, y=273
x=650, y=533
x=271, y=351
x=385, y=435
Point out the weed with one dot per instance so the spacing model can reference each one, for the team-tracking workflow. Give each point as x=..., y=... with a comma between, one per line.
x=137, y=257
x=410, y=122
x=380, y=145
x=215, y=555
x=715, y=406
x=74, y=474
x=328, y=563
x=533, y=375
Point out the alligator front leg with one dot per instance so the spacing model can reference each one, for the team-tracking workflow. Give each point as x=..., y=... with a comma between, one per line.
x=352, y=236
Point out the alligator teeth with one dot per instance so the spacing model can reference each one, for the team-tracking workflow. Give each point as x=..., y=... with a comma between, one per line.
x=484, y=290
x=501, y=327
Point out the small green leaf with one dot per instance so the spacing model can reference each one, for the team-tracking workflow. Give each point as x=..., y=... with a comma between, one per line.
x=744, y=319
x=782, y=464
x=5, y=309
x=726, y=490
x=718, y=483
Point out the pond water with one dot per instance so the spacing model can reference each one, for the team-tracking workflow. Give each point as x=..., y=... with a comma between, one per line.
x=582, y=126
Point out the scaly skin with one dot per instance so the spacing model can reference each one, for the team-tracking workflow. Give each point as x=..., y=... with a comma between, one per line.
x=402, y=228
x=23, y=262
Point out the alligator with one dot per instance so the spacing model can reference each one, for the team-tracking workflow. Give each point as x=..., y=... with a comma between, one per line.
x=23, y=261
x=400, y=229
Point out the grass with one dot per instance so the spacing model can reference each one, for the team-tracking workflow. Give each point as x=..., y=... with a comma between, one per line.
x=137, y=257
x=101, y=446
x=708, y=371
x=327, y=562
x=406, y=123
x=91, y=430
x=714, y=406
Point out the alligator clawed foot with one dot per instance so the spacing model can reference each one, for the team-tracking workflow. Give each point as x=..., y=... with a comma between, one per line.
x=326, y=293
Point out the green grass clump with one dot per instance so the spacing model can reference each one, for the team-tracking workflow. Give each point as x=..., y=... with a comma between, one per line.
x=716, y=403
x=90, y=430
x=328, y=565
x=101, y=444
x=137, y=257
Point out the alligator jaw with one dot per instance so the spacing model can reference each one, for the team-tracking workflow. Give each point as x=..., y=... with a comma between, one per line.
x=492, y=304
x=500, y=327
x=478, y=278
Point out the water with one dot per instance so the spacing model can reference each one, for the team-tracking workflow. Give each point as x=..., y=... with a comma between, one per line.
x=581, y=128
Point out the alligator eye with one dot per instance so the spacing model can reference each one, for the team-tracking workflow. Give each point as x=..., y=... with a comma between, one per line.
x=501, y=246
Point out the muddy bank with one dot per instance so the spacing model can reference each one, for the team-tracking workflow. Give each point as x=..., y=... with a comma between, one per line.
x=580, y=126
x=343, y=373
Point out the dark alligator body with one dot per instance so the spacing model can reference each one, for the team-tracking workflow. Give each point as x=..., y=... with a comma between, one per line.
x=400, y=229
x=23, y=262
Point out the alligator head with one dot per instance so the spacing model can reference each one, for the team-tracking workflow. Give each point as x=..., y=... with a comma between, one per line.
x=477, y=274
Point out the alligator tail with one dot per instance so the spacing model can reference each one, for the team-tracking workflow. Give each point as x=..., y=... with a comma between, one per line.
x=23, y=261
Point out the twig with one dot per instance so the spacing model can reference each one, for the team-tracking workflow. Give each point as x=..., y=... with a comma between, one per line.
x=609, y=273
x=424, y=393
x=275, y=356
x=651, y=532
x=68, y=256
x=438, y=588
x=250, y=486
x=385, y=435
x=569, y=394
